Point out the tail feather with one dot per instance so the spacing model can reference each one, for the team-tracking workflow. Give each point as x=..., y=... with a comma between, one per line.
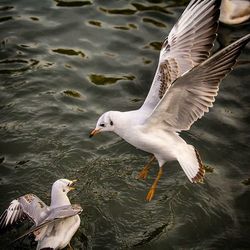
x=191, y=164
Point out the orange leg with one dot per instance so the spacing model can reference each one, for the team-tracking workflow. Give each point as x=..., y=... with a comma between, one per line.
x=144, y=173
x=151, y=191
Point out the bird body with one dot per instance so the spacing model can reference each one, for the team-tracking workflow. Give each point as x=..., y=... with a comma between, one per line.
x=58, y=236
x=54, y=225
x=150, y=139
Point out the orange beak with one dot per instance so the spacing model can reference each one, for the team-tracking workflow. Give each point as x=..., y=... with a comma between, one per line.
x=94, y=132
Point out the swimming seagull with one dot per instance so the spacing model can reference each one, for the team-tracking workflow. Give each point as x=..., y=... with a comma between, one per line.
x=234, y=11
x=54, y=225
x=183, y=89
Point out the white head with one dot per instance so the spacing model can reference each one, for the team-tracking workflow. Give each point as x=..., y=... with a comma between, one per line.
x=60, y=190
x=104, y=123
x=63, y=185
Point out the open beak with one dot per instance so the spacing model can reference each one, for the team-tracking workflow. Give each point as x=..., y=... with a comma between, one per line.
x=71, y=186
x=94, y=132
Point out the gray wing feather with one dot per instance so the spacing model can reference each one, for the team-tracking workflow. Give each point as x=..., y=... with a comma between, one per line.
x=27, y=205
x=191, y=95
x=55, y=214
x=188, y=44
x=62, y=212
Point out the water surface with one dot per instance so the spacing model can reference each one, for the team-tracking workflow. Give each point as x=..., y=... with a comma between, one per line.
x=62, y=64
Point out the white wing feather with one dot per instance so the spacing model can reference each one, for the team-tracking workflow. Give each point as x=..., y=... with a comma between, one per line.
x=188, y=44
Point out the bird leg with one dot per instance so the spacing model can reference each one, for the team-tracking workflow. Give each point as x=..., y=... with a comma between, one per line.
x=70, y=247
x=151, y=191
x=144, y=172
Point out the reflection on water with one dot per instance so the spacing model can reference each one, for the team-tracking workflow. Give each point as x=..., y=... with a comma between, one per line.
x=62, y=64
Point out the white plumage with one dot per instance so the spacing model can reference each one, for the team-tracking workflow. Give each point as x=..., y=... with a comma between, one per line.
x=54, y=225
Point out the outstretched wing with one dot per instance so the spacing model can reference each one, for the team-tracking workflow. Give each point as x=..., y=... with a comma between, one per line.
x=188, y=44
x=55, y=214
x=12, y=214
x=28, y=205
x=191, y=95
x=63, y=212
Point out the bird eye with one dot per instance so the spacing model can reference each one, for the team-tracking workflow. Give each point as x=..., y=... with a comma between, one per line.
x=111, y=123
x=102, y=125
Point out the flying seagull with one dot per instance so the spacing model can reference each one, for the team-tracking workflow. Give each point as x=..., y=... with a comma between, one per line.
x=54, y=225
x=183, y=89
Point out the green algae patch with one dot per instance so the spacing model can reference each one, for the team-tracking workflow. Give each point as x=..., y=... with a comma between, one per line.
x=121, y=27
x=156, y=45
x=141, y=7
x=146, y=61
x=133, y=26
x=34, y=18
x=104, y=80
x=131, y=78
x=119, y=11
x=95, y=23
x=72, y=93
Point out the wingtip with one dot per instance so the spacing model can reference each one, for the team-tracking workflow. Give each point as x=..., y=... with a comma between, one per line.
x=199, y=178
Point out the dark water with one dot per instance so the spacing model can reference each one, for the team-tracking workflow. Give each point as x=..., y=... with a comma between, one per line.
x=64, y=63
